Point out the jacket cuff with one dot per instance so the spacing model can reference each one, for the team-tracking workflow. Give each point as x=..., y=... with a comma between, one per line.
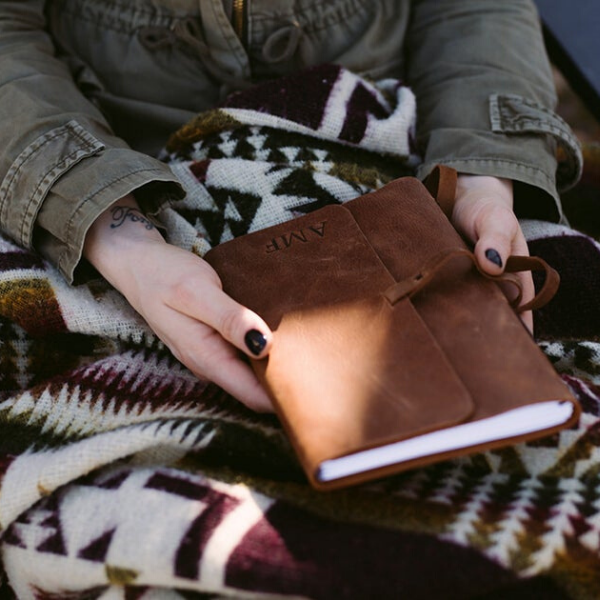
x=66, y=215
x=60, y=184
x=535, y=191
x=35, y=171
x=522, y=144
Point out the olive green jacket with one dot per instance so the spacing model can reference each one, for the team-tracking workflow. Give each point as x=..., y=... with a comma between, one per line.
x=90, y=90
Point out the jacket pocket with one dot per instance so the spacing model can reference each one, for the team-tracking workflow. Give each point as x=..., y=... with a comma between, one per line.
x=511, y=114
x=35, y=170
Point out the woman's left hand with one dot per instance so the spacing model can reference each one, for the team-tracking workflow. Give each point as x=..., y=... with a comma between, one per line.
x=483, y=213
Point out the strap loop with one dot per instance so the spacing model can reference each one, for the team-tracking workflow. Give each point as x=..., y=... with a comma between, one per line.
x=515, y=264
x=441, y=184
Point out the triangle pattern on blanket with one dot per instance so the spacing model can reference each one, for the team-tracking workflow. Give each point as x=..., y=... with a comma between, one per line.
x=231, y=216
x=55, y=544
x=97, y=549
x=301, y=183
x=44, y=531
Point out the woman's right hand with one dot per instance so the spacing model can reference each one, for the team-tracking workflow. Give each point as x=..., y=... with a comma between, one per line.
x=181, y=298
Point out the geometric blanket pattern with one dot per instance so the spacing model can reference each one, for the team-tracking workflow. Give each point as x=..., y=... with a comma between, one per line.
x=124, y=476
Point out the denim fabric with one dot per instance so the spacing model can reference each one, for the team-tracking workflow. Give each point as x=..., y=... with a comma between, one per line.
x=90, y=90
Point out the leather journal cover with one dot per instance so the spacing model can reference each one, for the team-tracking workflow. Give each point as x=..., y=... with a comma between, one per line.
x=390, y=349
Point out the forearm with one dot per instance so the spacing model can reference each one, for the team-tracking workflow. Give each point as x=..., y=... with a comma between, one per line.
x=485, y=92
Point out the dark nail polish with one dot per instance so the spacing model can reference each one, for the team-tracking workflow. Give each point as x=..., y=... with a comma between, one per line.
x=493, y=256
x=255, y=341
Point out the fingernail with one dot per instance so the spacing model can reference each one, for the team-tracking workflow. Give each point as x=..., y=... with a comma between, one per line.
x=493, y=256
x=255, y=341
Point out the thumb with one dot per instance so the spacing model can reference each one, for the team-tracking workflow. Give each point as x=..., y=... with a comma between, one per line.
x=496, y=237
x=499, y=236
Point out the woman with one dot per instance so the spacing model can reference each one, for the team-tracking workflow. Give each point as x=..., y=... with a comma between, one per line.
x=90, y=90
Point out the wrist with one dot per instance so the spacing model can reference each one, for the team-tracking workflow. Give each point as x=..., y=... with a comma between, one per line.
x=119, y=238
x=485, y=184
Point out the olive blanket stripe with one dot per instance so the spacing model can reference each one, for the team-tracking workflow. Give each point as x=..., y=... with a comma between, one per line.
x=124, y=476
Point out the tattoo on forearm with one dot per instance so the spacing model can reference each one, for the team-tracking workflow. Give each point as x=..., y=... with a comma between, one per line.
x=120, y=214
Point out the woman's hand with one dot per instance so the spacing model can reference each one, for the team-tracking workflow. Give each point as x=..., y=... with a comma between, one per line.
x=483, y=212
x=181, y=298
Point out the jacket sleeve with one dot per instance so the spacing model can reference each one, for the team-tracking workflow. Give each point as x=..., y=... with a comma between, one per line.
x=60, y=164
x=485, y=98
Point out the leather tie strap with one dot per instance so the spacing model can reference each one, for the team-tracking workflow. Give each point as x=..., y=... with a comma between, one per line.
x=515, y=264
x=441, y=184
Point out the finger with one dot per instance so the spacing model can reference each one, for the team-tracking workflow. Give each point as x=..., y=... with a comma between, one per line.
x=207, y=303
x=496, y=230
x=525, y=282
x=203, y=351
x=525, y=279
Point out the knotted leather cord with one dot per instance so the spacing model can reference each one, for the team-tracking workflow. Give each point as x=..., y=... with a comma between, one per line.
x=411, y=285
x=516, y=264
x=441, y=184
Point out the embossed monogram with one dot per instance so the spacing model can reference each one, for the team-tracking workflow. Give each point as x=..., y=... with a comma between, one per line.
x=303, y=236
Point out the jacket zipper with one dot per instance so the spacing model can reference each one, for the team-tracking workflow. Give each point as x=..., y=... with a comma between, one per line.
x=239, y=19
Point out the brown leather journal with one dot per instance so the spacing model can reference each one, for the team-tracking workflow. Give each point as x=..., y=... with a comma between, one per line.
x=390, y=350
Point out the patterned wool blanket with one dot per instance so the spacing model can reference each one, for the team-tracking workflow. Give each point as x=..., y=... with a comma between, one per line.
x=124, y=476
